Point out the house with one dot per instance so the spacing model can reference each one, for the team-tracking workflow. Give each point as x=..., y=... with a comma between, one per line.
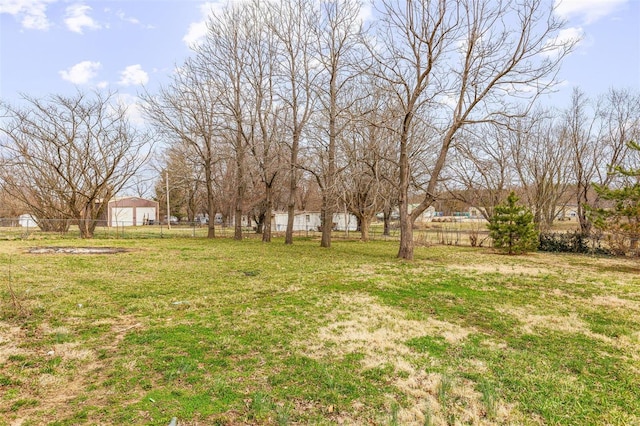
x=310, y=221
x=131, y=211
x=567, y=212
x=302, y=221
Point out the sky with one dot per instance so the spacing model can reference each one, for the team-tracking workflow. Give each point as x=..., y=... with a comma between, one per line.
x=60, y=46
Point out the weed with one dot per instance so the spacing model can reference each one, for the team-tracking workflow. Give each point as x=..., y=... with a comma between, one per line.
x=395, y=409
x=489, y=398
x=428, y=421
x=283, y=414
x=16, y=308
x=444, y=388
x=260, y=405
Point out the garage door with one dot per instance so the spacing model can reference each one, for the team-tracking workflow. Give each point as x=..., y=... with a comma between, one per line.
x=122, y=216
x=143, y=213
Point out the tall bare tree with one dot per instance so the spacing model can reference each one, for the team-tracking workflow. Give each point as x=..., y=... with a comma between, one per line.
x=186, y=113
x=541, y=158
x=66, y=156
x=460, y=60
x=368, y=149
x=598, y=132
x=222, y=58
x=266, y=117
x=341, y=55
x=293, y=25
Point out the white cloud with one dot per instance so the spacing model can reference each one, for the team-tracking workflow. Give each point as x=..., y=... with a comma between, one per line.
x=587, y=11
x=31, y=13
x=77, y=18
x=198, y=30
x=565, y=37
x=133, y=75
x=81, y=73
x=123, y=17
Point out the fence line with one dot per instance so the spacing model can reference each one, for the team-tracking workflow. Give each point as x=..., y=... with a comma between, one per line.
x=449, y=234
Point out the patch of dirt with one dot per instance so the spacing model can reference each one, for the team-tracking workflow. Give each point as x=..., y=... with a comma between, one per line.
x=463, y=400
x=75, y=250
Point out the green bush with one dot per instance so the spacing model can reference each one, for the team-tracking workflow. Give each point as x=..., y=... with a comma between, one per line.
x=571, y=242
x=564, y=242
x=511, y=227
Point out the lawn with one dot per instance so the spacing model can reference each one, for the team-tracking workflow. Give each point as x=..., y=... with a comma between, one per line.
x=226, y=332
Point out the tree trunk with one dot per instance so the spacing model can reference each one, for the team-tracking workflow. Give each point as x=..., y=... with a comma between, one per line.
x=406, y=233
x=211, y=203
x=291, y=210
x=585, y=223
x=326, y=214
x=406, y=228
x=266, y=228
x=386, y=218
x=293, y=186
x=240, y=185
x=87, y=226
x=365, y=225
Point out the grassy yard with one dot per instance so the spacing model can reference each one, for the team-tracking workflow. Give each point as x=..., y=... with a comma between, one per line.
x=225, y=332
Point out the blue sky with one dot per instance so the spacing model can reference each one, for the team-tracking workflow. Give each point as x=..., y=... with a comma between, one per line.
x=54, y=46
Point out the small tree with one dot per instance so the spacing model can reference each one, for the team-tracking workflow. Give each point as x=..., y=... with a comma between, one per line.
x=512, y=228
x=622, y=221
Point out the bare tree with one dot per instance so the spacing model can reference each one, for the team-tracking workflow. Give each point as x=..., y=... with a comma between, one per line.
x=65, y=157
x=541, y=158
x=482, y=168
x=186, y=114
x=341, y=55
x=187, y=197
x=222, y=58
x=460, y=59
x=370, y=159
x=598, y=134
x=579, y=122
x=293, y=24
x=267, y=132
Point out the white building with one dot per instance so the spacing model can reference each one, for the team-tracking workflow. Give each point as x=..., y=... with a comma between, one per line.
x=132, y=211
x=27, y=221
x=310, y=221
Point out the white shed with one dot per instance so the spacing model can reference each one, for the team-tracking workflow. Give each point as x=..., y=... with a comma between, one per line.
x=343, y=222
x=27, y=220
x=132, y=211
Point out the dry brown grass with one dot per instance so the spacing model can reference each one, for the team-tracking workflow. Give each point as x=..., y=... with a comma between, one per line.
x=77, y=368
x=379, y=333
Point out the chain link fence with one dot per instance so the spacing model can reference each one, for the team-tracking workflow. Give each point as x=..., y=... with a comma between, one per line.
x=457, y=233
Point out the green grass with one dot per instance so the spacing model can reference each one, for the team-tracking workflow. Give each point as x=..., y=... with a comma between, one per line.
x=226, y=332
